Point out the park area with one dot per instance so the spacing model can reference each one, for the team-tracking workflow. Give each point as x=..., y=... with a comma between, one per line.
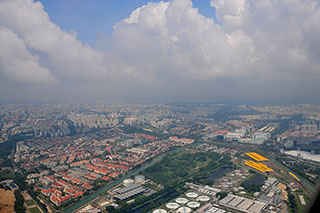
x=186, y=165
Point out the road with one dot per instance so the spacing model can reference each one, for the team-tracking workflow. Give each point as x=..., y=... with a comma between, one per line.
x=13, y=164
x=47, y=203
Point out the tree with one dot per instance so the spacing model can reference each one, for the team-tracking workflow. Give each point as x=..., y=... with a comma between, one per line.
x=221, y=194
x=292, y=201
x=18, y=204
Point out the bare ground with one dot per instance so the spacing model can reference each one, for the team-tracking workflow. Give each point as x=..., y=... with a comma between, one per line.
x=6, y=201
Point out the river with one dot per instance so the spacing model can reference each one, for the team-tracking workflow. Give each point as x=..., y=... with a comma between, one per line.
x=75, y=206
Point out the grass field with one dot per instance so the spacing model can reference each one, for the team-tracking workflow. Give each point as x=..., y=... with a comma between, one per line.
x=34, y=210
x=30, y=202
x=151, y=186
x=179, y=166
x=300, y=208
x=7, y=174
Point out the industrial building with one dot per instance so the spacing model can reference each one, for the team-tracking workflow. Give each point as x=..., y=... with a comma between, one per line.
x=261, y=136
x=215, y=210
x=129, y=191
x=204, y=189
x=243, y=204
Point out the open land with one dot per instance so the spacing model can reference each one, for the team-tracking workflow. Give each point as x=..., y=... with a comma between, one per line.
x=6, y=201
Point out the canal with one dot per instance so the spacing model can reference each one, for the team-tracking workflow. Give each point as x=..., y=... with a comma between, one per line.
x=75, y=206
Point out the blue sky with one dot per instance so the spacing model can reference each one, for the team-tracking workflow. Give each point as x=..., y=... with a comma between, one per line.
x=89, y=18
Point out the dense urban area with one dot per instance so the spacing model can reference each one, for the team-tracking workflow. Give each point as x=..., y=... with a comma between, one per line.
x=158, y=157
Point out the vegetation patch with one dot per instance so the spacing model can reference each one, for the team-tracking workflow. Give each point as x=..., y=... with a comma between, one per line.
x=34, y=210
x=179, y=166
x=18, y=204
x=30, y=203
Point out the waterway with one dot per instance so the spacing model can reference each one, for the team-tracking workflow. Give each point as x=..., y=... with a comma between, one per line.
x=257, y=179
x=219, y=173
x=81, y=203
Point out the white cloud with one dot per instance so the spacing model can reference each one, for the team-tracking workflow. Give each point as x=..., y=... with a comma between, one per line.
x=261, y=39
x=67, y=58
x=170, y=44
x=16, y=62
x=172, y=40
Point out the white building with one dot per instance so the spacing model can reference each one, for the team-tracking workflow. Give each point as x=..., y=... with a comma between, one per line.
x=261, y=136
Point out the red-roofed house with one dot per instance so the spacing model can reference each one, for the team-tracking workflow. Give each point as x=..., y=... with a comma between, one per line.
x=76, y=181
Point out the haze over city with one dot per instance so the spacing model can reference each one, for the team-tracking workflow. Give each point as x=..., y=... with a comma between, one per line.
x=173, y=106
x=220, y=50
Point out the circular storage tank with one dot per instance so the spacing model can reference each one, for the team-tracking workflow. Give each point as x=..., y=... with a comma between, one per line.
x=172, y=205
x=192, y=194
x=139, y=179
x=203, y=198
x=193, y=204
x=184, y=209
x=159, y=211
x=127, y=182
x=182, y=200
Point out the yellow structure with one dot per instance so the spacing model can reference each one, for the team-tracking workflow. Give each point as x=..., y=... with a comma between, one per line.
x=255, y=156
x=258, y=166
x=295, y=177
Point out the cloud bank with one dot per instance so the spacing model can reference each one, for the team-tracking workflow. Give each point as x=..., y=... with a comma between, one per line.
x=257, y=48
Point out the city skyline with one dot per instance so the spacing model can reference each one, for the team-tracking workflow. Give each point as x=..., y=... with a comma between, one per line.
x=221, y=51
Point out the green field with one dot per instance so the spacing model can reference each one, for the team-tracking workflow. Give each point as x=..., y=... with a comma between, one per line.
x=184, y=165
x=34, y=210
x=301, y=208
x=30, y=202
x=151, y=186
x=7, y=174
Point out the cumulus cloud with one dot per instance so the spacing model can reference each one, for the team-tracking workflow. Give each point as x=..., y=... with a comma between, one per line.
x=254, y=38
x=67, y=58
x=170, y=45
x=16, y=62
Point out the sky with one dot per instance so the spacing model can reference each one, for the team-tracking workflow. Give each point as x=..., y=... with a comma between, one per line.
x=213, y=50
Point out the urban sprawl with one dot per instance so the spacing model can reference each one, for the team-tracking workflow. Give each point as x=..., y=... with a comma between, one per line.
x=156, y=157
